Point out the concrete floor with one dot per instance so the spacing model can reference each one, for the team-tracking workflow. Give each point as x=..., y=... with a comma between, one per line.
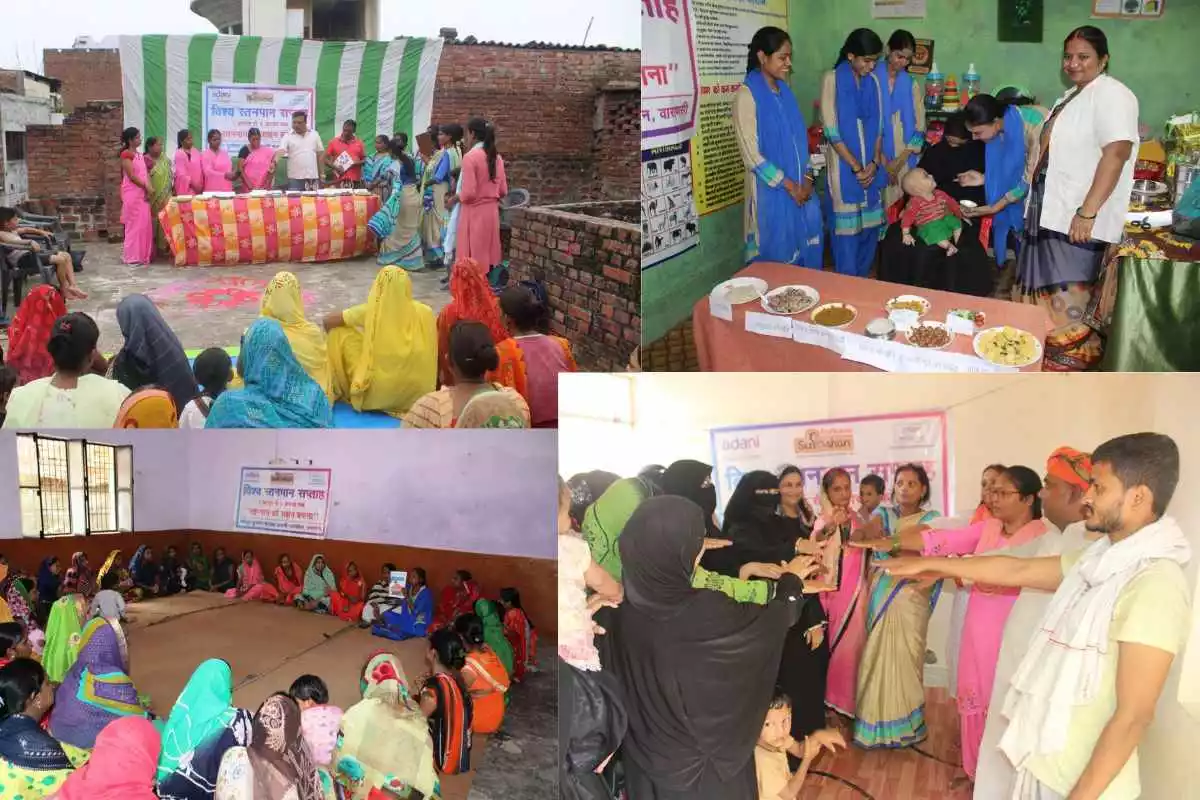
x=269, y=646
x=212, y=306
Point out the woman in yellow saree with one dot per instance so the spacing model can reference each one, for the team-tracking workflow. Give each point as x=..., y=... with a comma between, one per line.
x=383, y=353
x=162, y=184
x=283, y=302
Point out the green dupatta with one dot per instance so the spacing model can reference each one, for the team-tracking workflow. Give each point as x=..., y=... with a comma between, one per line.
x=204, y=709
x=493, y=632
x=162, y=185
x=63, y=631
x=317, y=586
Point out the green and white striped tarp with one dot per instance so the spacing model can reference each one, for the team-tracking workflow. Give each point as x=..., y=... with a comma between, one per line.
x=386, y=87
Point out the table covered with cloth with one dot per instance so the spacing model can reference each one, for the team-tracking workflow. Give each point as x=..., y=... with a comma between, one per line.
x=724, y=346
x=247, y=229
x=1148, y=304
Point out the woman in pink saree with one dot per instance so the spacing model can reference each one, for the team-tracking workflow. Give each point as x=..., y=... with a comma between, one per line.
x=257, y=163
x=135, y=201
x=218, y=166
x=189, y=174
x=1016, y=519
x=252, y=584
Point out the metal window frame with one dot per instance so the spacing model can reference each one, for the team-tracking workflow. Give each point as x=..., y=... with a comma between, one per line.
x=87, y=525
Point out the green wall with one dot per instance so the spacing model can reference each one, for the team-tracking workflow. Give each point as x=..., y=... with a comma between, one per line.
x=963, y=31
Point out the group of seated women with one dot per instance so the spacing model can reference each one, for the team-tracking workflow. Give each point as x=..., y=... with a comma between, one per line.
x=74, y=725
x=492, y=359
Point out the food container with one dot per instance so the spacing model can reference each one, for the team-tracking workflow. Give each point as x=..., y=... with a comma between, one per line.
x=881, y=328
x=1145, y=191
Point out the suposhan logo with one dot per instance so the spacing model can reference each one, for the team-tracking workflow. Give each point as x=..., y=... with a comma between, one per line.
x=824, y=440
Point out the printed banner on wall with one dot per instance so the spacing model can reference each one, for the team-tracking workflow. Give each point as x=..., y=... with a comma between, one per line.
x=898, y=9
x=1129, y=9
x=234, y=109
x=386, y=87
x=860, y=445
x=723, y=31
x=669, y=224
x=669, y=82
x=293, y=500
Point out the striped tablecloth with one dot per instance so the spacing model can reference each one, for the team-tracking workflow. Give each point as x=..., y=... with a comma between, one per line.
x=260, y=230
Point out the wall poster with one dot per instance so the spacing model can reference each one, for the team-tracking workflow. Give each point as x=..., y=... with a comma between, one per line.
x=669, y=223
x=292, y=500
x=1128, y=9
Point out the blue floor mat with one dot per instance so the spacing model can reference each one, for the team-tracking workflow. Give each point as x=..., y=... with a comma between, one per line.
x=344, y=416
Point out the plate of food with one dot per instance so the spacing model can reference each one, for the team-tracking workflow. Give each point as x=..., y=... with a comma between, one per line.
x=834, y=315
x=930, y=335
x=788, y=300
x=908, y=302
x=740, y=290
x=1008, y=347
x=968, y=204
x=977, y=317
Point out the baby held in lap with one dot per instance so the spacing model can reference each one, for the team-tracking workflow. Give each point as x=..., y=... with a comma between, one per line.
x=937, y=216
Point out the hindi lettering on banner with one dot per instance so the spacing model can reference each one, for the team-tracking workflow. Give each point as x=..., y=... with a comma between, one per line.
x=235, y=108
x=862, y=446
x=292, y=500
x=669, y=80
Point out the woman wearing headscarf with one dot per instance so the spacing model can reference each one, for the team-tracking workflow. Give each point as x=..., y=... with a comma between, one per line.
x=252, y=583
x=148, y=408
x=288, y=579
x=62, y=635
x=413, y=616
x=276, y=765
x=78, y=577
x=203, y=725
x=586, y=488
x=278, y=393
x=319, y=584
x=852, y=113
x=782, y=217
x=96, y=690
x=20, y=593
x=385, y=738
x=283, y=302
x=224, y=572
x=199, y=572
x=146, y=571
x=472, y=300
x=48, y=581
x=122, y=764
x=501, y=408
x=458, y=597
x=351, y=595
x=493, y=633
x=383, y=353
x=152, y=354
x=677, y=649
x=33, y=763
x=29, y=333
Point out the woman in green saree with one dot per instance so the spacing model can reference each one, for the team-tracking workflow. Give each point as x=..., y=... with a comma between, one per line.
x=162, y=182
x=199, y=573
x=319, y=583
x=63, y=631
x=493, y=633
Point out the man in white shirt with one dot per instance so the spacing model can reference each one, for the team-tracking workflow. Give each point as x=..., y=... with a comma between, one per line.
x=305, y=155
x=1068, y=474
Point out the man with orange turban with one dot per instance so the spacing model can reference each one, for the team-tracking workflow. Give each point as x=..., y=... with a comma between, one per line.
x=1068, y=475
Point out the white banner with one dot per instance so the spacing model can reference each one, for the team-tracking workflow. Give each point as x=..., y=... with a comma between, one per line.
x=670, y=86
x=235, y=108
x=861, y=445
x=292, y=500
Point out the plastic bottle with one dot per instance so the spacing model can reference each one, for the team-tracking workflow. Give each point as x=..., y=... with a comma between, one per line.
x=971, y=83
x=934, y=86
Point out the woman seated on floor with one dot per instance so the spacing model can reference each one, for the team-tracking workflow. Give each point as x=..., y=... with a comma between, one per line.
x=213, y=369
x=472, y=300
x=456, y=599
x=20, y=592
x=488, y=612
x=73, y=397
x=148, y=407
x=288, y=579
x=347, y=603
x=79, y=577
x=199, y=572
x=152, y=354
x=278, y=392
x=29, y=333
x=276, y=763
x=383, y=353
x=319, y=584
x=224, y=572
x=34, y=764
x=62, y=635
x=122, y=765
x=319, y=722
x=410, y=619
x=484, y=674
x=447, y=704
x=95, y=691
x=252, y=583
x=385, y=739
x=283, y=302
x=520, y=632
x=172, y=582
x=542, y=356
x=380, y=599
x=471, y=397
x=48, y=581
x=146, y=572
x=14, y=643
x=202, y=727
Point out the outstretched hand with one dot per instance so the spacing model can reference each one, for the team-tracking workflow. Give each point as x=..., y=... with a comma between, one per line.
x=911, y=567
x=880, y=545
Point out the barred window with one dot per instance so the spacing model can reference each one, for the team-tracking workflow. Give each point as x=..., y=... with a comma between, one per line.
x=73, y=486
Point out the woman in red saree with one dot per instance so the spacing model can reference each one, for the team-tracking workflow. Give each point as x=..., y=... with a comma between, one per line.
x=30, y=331
x=289, y=579
x=520, y=634
x=348, y=601
x=456, y=599
x=472, y=300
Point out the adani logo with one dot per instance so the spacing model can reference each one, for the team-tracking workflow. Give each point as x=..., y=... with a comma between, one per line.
x=741, y=444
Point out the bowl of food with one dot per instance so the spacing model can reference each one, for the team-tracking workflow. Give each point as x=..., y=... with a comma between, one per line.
x=909, y=302
x=736, y=291
x=1144, y=191
x=968, y=204
x=789, y=300
x=1008, y=347
x=976, y=317
x=930, y=335
x=834, y=315
x=881, y=328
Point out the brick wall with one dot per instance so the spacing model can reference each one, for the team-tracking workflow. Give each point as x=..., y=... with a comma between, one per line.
x=674, y=352
x=616, y=144
x=591, y=266
x=87, y=75
x=73, y=169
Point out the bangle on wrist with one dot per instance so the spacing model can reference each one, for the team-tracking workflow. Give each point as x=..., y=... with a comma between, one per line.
x=1079, y=213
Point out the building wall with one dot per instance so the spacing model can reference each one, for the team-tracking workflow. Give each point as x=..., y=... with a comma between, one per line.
x=87, y=76
x=17, y=112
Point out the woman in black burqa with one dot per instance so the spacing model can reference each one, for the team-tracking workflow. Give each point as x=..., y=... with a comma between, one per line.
x=697, y=668
x=763, y=538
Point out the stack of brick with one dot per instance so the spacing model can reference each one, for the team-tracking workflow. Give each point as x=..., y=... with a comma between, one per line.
x=618, y=130
x=675, y=352
x=588, y=257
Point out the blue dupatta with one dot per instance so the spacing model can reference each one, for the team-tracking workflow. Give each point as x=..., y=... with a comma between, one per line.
x=900, y=98
x=278, y=392
x=858, y=101
x=1004, y=171
x=786, y=232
